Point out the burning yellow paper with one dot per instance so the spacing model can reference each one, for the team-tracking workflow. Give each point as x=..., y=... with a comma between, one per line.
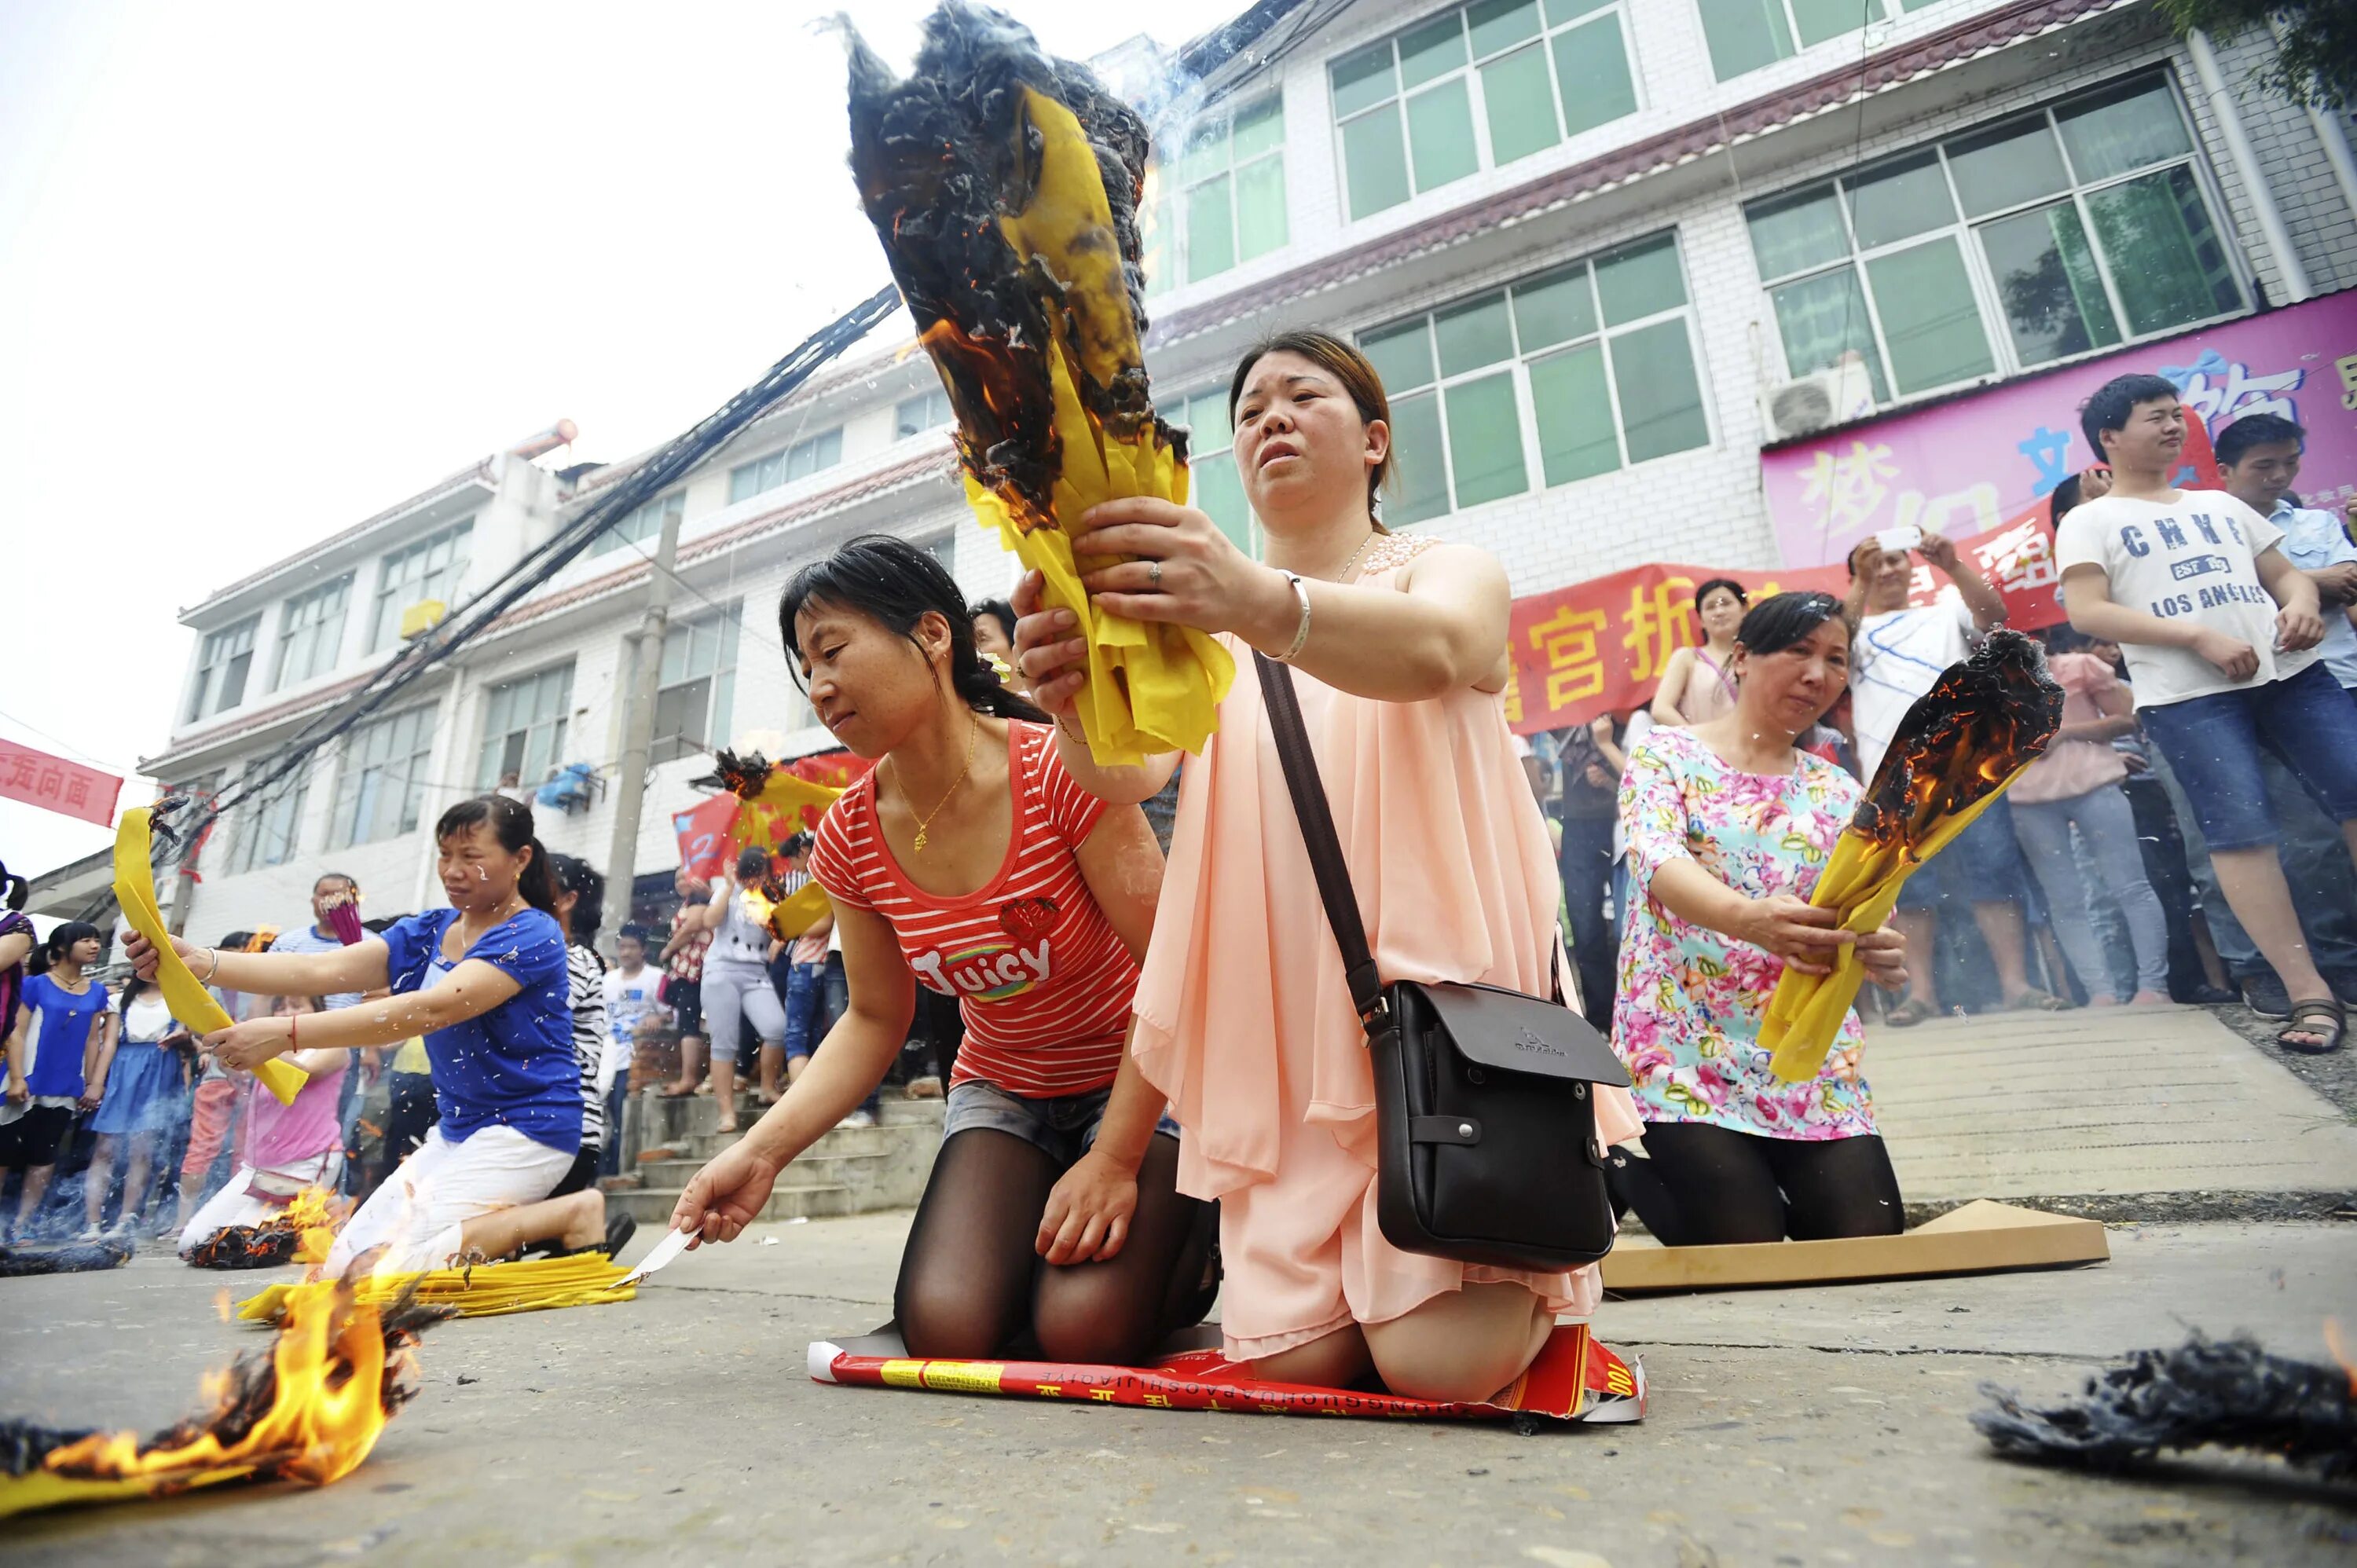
x=1003, y=185
x=1957, y=749
x=192, y=1003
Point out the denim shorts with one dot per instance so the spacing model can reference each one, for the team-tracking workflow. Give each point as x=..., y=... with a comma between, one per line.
x=1064, y=1125
x=1983, y=866
x=2213, y=744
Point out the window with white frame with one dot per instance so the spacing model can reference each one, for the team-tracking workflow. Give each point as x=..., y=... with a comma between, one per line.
x=1223, y=197
x=698, y=684
x=646, y=521
x=2080, y=227
x=269, y=819
x=223, y=660
x=799, y=461
x=380, y=790
x=431, y=568
x=927, y=410
x=1574, y=373
x=1213, y=486
x=310, y=633
x=1744, y=35
x=1474, y=89
x=523, y=728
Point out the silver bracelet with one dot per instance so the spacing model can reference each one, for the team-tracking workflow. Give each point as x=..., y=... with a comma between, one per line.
x=1300, y=636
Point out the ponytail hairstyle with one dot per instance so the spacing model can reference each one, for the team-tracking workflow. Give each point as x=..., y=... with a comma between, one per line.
x=60, y=941
x=17, y=889
x=892, y=582
x=512, y=826
x=131, y=990
x=575, y=876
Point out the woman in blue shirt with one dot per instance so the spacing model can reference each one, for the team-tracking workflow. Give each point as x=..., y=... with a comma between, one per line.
x=62, y=1026
x=484, y=982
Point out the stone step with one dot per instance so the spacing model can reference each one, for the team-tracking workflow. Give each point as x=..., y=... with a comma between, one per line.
x=661, y=1120
x=880, y=1139
x=812, y=1169
x=652, y=1206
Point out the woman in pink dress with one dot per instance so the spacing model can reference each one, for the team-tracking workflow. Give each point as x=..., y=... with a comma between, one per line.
x=1244, y=1018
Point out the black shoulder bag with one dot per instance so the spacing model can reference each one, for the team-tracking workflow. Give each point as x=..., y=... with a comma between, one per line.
x=1485, y=1109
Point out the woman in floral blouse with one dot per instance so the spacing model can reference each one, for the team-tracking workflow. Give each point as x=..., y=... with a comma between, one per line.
x=1729, y=827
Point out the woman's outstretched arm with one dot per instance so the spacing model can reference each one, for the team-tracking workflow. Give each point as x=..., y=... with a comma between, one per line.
x=363, y=966
x=471, y=989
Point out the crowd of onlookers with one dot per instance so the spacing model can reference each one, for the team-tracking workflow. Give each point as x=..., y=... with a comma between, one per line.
x=115, y=1119
x=2188, y=834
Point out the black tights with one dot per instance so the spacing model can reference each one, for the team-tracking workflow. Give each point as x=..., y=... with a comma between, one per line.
x=972, y=1282
x=1705, y=1186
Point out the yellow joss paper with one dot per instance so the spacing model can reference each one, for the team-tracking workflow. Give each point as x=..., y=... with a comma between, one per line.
x=1150, y=688
x=1862, y=882
x=486, y=1290
x=787, y=805
x=192, y=1003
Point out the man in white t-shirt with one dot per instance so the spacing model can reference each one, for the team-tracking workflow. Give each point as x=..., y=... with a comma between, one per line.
x=1900, y=652
x=2220, y=631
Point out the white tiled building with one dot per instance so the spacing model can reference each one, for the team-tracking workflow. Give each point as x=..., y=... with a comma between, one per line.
x=1580, y=238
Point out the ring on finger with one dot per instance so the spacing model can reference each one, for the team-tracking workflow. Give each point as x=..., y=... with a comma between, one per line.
x=1154, y=575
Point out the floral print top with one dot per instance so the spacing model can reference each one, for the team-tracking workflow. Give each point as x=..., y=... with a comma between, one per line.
x=1691, y=1001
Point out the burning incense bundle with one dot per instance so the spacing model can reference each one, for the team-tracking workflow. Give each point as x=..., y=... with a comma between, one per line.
x=2233, y=1394
x=1005, y=186
x=308, y=1409
x=1958, y=747
x=192, y=1003
x=486, y=1290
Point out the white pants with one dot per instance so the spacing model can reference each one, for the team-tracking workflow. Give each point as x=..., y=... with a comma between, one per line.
x=237, y=1204
x=420, y=1208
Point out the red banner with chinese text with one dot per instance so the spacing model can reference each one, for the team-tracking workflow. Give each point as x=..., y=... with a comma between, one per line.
x=52, y=783
x=1601, y=645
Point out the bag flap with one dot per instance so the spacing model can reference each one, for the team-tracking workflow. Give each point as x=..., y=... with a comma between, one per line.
x=1514, y=1032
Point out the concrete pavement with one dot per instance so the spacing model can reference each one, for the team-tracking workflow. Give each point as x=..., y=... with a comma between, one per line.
x=1789, y=1427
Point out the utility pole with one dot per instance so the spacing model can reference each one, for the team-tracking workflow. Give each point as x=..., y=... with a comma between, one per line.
x=638, y=720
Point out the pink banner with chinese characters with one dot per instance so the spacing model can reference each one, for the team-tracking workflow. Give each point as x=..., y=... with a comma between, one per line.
x=56, y=785
x=1599, y=647
x=1963, y=466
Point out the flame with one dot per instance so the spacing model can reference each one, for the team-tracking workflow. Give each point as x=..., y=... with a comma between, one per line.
x=2340, y=1348
x=301, y=1232
x=310, y=1410
x=312, y=1216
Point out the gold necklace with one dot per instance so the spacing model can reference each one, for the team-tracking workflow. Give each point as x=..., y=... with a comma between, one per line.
x=918, y=844
x=1344, y=574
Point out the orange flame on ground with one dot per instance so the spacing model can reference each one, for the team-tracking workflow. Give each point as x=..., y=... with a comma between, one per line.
x=312, y=1415
x=312, y=1214
x=2340, y=1348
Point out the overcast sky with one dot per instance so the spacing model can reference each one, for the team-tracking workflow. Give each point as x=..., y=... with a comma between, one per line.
x=270, y=268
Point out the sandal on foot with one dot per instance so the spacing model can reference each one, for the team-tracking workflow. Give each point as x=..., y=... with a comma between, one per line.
x=2322, y=1016
x=1908, y=1013
x=2035, y=1001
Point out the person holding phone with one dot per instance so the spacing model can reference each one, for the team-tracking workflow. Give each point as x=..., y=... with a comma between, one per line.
x=1902, y=650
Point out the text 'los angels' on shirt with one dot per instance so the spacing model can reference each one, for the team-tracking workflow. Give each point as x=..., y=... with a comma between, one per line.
x=2195, y=556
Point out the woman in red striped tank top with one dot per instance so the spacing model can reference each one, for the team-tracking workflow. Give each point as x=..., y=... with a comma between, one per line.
x=969, y=862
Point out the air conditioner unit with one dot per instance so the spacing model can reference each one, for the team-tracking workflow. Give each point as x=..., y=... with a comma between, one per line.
x=422, y=618
x=1835, y=395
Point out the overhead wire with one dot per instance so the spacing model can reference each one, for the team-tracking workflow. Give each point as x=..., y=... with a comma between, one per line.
x=536, y=568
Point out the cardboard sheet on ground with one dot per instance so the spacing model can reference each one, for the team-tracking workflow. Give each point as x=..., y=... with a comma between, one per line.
x=1575, y=1379
x=1981, y=1238
x=486, y=1290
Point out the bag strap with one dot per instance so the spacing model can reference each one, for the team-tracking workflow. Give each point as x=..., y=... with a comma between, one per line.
x=1317, y=819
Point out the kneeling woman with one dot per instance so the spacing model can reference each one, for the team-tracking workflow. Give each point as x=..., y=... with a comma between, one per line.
x=1243, y=1015
x=1729, y=826
x=484, y=982
x=967, y=862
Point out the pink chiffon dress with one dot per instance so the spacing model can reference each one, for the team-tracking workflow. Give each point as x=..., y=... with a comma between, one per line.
x=1243, y=1017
